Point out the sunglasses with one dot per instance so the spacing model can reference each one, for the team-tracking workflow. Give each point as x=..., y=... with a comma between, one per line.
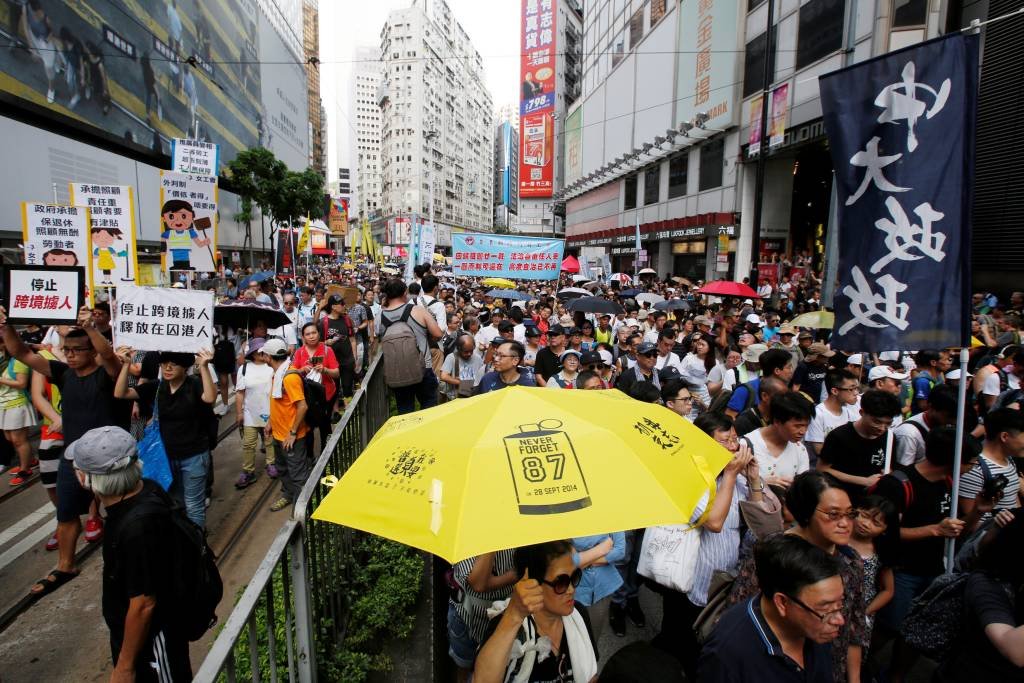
x=560, y=584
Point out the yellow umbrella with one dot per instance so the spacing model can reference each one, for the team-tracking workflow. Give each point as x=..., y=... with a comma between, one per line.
x=499, y=282
x=524, y=465
x=824, y=320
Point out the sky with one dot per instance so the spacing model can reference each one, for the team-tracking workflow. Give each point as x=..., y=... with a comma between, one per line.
x=492, y=25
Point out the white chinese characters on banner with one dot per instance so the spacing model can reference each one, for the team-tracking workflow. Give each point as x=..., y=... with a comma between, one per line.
x=188, y=211
x=163, y=319
x=44, y=295
x=884, y=308
x=112, y=228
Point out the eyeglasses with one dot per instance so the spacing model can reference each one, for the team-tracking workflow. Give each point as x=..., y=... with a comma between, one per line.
x=506, y=355
x=822, y=617
x=72, y=350
x=684, y=399
x=836, y=515
x=726, y=441
x=560, y=584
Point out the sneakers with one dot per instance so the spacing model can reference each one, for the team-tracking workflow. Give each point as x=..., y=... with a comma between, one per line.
x=635, y=614
x=93, y=530
x=280, y=504
x=51, y=543
x=272, y=471
x=617, y=619
x=221, y=410
x=245, y=479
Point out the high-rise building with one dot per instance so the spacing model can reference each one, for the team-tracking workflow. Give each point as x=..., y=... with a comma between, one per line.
x=554, y=25
x=436, y=124
x=506, y=174
x=364, y=130
x=317, y=132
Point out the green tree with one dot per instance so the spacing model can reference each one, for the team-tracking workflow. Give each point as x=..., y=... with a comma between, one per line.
x=256, y=175
x=298, y=194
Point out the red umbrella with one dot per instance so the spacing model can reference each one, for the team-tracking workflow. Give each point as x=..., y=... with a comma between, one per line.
x=570, y=265
x=727, y=288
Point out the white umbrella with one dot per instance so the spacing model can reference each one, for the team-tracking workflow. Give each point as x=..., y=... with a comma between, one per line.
x=570, y=292
x=580, y=278
x=591, y=285
x=647, y=298
x=444, y=273
x=622, y=278
x=647, y=271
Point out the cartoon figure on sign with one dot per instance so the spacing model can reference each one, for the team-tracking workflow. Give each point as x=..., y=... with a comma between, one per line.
x=180, y=234
x=60, y=257
x=104, y=252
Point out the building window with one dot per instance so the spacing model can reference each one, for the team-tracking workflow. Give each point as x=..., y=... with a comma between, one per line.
x=820, y=31
x=657, y=11
x=652, y=182
x=677, y=174
x=630, y=199
x=618, y=52
x=753, y=62
x=636, y=28
x=751, y=4
x=909, y=13
x=712, y=158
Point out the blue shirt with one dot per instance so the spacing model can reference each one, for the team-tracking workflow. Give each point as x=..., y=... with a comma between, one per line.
x=743, y=648
x=600, y=581
x=921, y=388
x=738, y=400
x=492, y=380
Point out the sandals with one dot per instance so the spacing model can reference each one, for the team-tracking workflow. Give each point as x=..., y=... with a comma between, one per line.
x=52, y=581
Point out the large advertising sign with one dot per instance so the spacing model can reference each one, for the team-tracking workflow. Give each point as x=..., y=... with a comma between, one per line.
x=709, y=47
x=522, y=258
x=284, y=100
x=143, y=72
x=574, y=146
x=537, y=100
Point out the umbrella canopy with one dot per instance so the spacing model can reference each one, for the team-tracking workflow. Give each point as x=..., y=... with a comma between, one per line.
x=823, y=320
x=499, y=282
x=621, y=278
x=570, y=265
x=513, y=294
x=647, y=271
x=682, y=281
x=580, y=278
x=256, y=277
x=242, y=313
x=629, y=293
x=648, y=298
x=591, y=285
x=524, y=465
x=388, y=270
x=448, y=285
x=595, y=304
x=444, y=273
x=673, y=305
x=572, y=292
x=727, y=288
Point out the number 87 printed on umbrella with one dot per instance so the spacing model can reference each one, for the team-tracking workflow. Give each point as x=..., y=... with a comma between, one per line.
x=545, y=470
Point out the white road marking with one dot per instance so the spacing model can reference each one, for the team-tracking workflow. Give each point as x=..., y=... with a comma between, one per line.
x=25, y=544
x=25, y=523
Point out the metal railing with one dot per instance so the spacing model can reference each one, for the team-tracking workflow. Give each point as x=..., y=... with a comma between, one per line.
x=279, y=625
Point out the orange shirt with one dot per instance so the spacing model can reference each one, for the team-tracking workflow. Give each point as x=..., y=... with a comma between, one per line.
x=282, y=410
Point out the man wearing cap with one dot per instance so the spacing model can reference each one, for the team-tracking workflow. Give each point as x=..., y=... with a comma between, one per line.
x=884, y=378
x=287, y=424
x=137, y=559
x=547, y=358
x=603, y=333
x=642, y=371
x=753, y=325
x=809, y=376
x=784, y=338
x=252, y=409
x=804, y=341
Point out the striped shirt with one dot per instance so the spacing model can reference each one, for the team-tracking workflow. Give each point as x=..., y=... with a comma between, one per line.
x=718, y=551
x=972, y=483
x=473, y=608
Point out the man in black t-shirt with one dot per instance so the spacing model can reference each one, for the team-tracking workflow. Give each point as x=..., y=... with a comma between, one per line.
x=855, y=453
x=86, y=384
x=547, y=364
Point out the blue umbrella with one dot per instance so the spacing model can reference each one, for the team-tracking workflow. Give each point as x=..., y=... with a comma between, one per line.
x=256, y=277
x=511, y=294
x=629, y=293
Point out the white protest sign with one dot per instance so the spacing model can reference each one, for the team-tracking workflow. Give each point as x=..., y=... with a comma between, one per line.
x=195, y=157
x=56, y=235
x=163, y=319
x=188, y=210
x=112, y=229
x=43, y=295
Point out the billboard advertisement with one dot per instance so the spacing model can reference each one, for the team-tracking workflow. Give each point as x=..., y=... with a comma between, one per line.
x=574, y=146
x=284, y=100
x=708, y=52
x=142, y=73
x=537, y=100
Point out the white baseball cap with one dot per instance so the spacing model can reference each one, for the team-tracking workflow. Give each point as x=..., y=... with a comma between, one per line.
x=753, y=319
x=883, y=371
x=855, y=359
x=955, y=374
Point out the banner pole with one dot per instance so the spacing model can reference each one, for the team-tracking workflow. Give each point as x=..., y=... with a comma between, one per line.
x=961, y=410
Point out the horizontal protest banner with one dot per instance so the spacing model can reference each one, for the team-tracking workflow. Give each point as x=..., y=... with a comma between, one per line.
x=524, y=258
x=163, y=319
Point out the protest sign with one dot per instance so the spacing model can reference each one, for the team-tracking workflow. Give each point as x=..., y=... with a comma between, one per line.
x=43, y=295
x=163, y=319
x=56, y=235
x=350, y=295
x=188, y=209
x=525, y=258
x=112, y=229
x=195, y=157
x=284, y=253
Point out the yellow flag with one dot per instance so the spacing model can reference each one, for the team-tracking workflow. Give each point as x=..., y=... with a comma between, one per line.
x=303, y=238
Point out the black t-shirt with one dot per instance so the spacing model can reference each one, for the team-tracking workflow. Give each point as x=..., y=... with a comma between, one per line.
x=136, y=560
x=547, y=364
x=850, y=453
x=628, y=379
x=986, y=602
x=809, y=378
x=182, y=414
x=337, y=337
x=555, y=668
x=929, y=504
x=88, y=402
x=747, y=421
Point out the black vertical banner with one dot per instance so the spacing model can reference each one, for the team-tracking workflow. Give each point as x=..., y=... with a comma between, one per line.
x=901, y=131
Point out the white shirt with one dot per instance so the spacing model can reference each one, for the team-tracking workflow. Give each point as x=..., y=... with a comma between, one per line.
x=519, y=333
x=671, y=360
x=726, y=376
x=651, y=335
x=286, y=332
x=485, y=336
x=764, y=290
x=991, y=386
x=306, y=311
x=255, y=379
x=792, y=461
x=824, y=421
x=908, y=441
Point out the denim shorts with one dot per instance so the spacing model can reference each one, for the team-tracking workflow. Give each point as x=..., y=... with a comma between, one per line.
x=461, y=646
x=72, y=500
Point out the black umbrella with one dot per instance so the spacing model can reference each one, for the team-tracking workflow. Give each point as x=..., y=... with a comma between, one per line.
x=595, y=304
x=629, y=293
x=673, y=305
x=242, y=313
x=571, y=292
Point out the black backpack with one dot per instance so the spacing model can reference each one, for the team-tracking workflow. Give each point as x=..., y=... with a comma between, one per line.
x=196, y=587
x=316, y=400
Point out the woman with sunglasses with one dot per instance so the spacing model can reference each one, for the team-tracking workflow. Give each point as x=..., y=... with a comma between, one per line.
x=542, y=606
x=824, y=517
